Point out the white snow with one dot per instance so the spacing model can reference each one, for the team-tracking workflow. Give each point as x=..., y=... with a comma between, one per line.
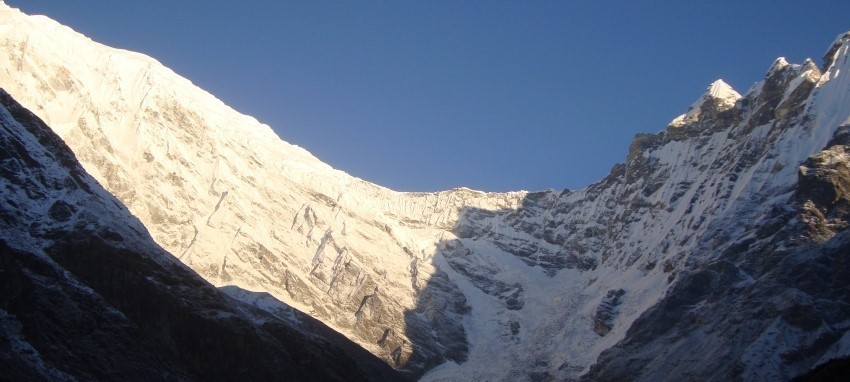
x=721, y=90
x=244, y=208
x=719, y=93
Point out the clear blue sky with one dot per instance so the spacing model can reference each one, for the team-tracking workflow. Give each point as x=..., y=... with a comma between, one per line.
x=492, y=95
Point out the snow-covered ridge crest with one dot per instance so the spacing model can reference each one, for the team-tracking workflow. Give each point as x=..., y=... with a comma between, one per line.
x=487, y=285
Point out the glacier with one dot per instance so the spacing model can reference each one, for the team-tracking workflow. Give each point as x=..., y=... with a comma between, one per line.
x=464, y=284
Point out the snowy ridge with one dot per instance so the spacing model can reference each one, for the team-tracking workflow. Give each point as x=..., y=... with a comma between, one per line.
x=467, y=284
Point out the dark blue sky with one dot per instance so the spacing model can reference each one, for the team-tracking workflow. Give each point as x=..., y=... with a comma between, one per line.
x=491, y=95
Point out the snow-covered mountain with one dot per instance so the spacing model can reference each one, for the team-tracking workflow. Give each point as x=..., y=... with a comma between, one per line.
x=86, y=294
x=703, y=255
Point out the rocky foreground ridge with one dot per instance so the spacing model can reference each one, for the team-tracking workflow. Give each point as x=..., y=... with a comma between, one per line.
x=710, y=253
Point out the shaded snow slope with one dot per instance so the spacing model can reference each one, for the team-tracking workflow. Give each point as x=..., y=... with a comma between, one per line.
x=467, y=284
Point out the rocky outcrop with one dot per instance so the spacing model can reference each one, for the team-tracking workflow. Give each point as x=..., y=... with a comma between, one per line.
x=606, y=313
x=823, y=188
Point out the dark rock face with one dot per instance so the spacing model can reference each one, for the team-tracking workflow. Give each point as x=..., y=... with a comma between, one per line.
x=607, y=312
x=445, y=320
x=723, y=320
x=829, y=57
x=85, y=294
x=53, y=329
x=833, y=371
x=824, y=187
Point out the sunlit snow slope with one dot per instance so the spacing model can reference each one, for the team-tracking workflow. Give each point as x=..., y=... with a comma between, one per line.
x=85, y=293
x=466, y=284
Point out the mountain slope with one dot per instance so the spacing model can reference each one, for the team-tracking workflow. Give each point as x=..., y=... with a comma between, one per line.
x=719, y=180
x=239, y=206
x=768, y=299
x=473, y=285
x=87, y=295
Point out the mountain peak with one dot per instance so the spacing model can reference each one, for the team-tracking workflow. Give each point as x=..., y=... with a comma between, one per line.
x=719, y=96
x=831, y=54
x=722, y=91
x=778, y=64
